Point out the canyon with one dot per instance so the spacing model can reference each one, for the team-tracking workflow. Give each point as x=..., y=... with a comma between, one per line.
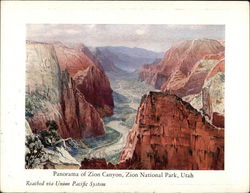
x=168, y=133
x=193, y=70
x=165, y=114
x=52, y=93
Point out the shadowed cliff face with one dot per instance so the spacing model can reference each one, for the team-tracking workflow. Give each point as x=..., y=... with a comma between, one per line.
x=88, y=75
x=52, y=95
x=170, y=134
x=96, y=88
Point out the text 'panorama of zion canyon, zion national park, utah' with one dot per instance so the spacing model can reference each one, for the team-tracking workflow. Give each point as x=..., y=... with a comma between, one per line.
x=125, y=97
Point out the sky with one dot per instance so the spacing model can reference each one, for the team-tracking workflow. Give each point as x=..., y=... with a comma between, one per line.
x=153, y=37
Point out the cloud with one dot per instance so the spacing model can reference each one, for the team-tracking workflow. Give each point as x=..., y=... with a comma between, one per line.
x=153, y=37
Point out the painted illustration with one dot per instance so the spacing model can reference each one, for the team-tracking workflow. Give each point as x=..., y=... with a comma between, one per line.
x=125, y=96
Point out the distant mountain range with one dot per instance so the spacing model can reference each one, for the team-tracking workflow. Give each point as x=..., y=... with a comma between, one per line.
x=125, y=58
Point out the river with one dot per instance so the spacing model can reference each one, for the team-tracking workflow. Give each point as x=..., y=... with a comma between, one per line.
x=127, y=93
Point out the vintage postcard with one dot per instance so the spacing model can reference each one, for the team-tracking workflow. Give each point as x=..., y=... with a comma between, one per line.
x=109, y=105
x=126, y=100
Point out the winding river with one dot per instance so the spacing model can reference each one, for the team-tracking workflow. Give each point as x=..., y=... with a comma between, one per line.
x=127, y=93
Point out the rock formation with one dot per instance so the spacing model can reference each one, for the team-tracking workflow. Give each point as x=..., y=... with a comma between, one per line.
x=52, y=95
x=209, y=98
x=72, y=60
x=41, y=153
x=82, y=49
x=80, y=117
x=213, y=99
x=178, y=62
x=88, y=75
x=193, y=83
x=170, y=134
x=191, y=70
x=97, y=89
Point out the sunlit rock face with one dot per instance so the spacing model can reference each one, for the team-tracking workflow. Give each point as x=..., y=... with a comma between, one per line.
x=213, y=99
x=52, y=95
x=178, y=62
x=170, y=134
x=88, y=75
x=72, y=60
x=210, y=97
x=193, y=83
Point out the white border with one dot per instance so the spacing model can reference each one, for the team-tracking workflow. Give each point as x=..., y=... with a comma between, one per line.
x=235, y=15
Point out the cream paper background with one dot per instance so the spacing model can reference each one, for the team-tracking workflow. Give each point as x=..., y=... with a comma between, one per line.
x=234, y=15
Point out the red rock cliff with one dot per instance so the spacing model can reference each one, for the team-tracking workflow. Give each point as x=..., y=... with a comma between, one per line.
x=72, y=60
x=208, y=96
x=97, y=88
x=170, y=134
x=179, y=61
x=52, y=95
x=88, y=75
x=194, y=71
x=193, y=83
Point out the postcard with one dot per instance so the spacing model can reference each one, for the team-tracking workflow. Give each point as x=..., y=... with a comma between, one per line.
x=125, y=97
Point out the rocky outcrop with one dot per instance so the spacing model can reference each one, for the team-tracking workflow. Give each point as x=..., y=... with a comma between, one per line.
x=52, y=95
x=181, y=85
x=97, y=88
x=218, y=119
x=190, y=70
x=213, y=98
x=88, y=75
x=170, y=134
x=82, y=48
x=41, y=153
x=210, y=99
x=28, y=130
x=148, y=73
x=178, y=63
x=59, y=158
x=80, y=117
x=72, y=60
